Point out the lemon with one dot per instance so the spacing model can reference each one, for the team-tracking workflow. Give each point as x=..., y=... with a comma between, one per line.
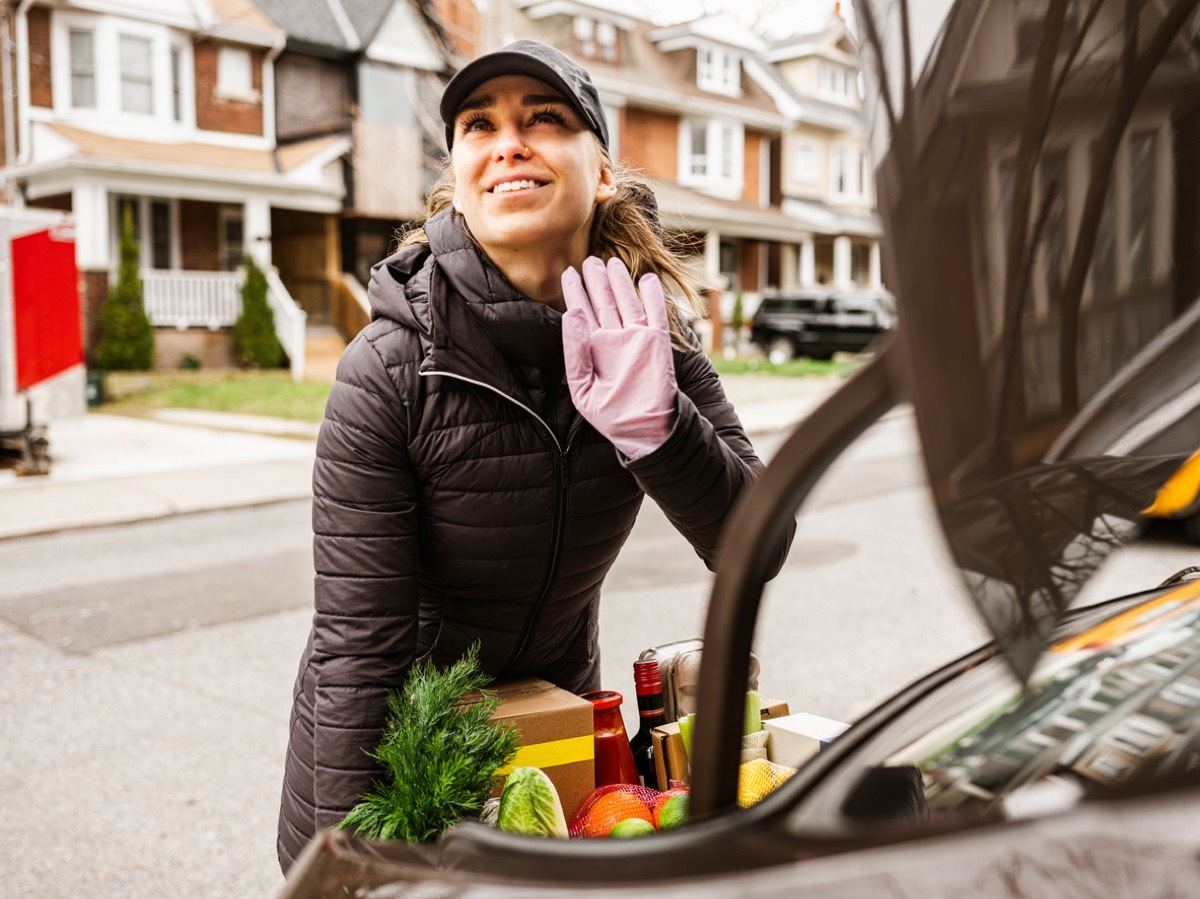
x=631, y=827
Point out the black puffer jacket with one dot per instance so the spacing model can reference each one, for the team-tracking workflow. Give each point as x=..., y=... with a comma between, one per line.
x=458, y=497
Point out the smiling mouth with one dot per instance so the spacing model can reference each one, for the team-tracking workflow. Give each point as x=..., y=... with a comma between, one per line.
x=509, y=186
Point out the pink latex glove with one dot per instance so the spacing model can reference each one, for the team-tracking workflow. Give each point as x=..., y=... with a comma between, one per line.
x=617, y=350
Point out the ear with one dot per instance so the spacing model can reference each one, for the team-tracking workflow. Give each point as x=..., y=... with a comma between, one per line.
x=607, y=188
x=454, y=202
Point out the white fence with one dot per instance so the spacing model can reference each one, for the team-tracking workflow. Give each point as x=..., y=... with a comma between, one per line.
x=188, y=299
x=291, y=322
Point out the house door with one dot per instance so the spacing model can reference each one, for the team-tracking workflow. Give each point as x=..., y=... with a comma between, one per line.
x=304, y=247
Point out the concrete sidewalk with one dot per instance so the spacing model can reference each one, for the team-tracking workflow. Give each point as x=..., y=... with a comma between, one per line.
x=109, y=469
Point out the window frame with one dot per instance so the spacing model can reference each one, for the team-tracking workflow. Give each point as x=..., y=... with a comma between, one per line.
x=107, y=32
x=224, y=89
x=723, y=172
x=144, y=219
x=719, y=71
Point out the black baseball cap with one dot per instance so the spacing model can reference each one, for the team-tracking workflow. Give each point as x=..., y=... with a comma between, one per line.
x=537, y=60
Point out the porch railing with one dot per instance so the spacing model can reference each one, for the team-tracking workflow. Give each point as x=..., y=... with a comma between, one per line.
x=191, y=299
x=350, y=310
x=291, y=323
x=184, y=299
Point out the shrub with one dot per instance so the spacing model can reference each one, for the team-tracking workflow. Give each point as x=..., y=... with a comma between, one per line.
x=126, y=335
x=191, y=362
x=255, y=344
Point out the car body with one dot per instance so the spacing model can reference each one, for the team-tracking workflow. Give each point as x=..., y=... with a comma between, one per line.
x=818, y=322
x=1055, y=397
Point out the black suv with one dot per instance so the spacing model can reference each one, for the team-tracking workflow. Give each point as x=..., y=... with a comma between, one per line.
x=819, y=323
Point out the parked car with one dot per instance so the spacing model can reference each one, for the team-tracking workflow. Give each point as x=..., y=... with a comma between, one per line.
x=1050, y=360
x=818, y=323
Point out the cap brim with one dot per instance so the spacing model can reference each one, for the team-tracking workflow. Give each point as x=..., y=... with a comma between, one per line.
x=470, y=76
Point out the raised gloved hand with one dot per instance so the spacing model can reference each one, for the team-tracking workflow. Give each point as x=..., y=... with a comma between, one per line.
x=617, y=350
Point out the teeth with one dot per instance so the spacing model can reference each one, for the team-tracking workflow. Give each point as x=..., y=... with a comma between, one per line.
x=513, y=185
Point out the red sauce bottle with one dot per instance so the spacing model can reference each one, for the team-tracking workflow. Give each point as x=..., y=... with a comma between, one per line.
x=614, y=759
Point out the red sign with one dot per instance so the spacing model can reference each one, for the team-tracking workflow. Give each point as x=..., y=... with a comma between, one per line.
x=45, y=306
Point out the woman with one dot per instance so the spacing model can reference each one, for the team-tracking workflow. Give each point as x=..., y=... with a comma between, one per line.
x=483, y=455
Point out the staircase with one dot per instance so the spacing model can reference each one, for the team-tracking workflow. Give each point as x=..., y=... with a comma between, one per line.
x=323, y=347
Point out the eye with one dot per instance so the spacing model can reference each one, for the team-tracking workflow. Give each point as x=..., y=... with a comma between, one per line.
x=548, y=114
x=474, y=122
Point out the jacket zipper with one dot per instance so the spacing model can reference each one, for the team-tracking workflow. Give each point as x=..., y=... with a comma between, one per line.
x=560, y=512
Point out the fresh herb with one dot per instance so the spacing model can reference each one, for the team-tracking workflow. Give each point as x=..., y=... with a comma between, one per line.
x=439, y=754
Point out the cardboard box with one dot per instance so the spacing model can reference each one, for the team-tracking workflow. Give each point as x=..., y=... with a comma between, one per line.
x=670, y=758
x=793, y=739
x=556, y=732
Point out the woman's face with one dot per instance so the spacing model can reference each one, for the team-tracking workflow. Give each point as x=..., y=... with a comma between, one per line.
x=528, y=172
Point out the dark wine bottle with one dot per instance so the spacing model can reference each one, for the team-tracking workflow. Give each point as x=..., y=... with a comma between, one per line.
x=647, y=683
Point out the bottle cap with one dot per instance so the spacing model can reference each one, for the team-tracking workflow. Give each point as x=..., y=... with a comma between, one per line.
x=602, y=699
x=646, y=677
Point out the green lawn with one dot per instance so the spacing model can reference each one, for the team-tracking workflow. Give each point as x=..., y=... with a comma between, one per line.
x=795, y=368
x=274, y=393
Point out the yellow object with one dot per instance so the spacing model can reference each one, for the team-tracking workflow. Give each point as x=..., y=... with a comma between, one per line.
x=1179, y=492
x=758, y=778
x=552, y=753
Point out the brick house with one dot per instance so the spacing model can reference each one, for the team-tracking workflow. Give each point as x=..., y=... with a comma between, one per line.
x=367, y=70
x=167, y=110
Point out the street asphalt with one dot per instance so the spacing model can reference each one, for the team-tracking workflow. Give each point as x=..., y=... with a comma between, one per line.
x=109, y=469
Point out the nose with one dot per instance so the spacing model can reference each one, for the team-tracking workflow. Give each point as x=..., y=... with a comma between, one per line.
x=510, y=145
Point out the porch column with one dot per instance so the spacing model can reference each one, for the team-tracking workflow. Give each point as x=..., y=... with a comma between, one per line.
x=875, y=274
x=93, y=249
x=787, y=266
x=841, y=262
x=808, y=262
x=256, y=230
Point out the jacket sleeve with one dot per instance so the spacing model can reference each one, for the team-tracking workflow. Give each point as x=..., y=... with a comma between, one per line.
x=366, y=588
x=706, y=462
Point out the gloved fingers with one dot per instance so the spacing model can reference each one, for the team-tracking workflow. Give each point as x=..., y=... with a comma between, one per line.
x=628, y=302
x=576, y=297
x=600, y=292
x=653, y=302
x=577, y=350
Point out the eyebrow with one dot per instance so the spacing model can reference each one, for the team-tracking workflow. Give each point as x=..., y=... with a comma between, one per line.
x=484, y=101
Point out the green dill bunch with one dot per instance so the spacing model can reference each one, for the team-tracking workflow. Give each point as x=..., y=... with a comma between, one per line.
x=439, y=754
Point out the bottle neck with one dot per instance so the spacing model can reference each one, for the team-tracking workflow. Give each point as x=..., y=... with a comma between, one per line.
x=650, y=705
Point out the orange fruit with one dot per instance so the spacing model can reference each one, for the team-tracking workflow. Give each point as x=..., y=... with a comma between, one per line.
x=610, y=808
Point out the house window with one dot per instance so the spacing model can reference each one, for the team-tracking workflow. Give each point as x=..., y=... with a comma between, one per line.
x=712, y=156
x=82, y=43
x=230, y=239
x=595, y=40
x=234, y=73
x=1104, y=256
x=1030, y=31
x=718, y=71
x=1143, y=170
x=806, y=162
x=833, y=81
x=176, y=84
x=121, y=70
x=698, y=140
x=840, y=173
x=153, y=227
x=137, y=75
x=849, y=173
x=1053, y=178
